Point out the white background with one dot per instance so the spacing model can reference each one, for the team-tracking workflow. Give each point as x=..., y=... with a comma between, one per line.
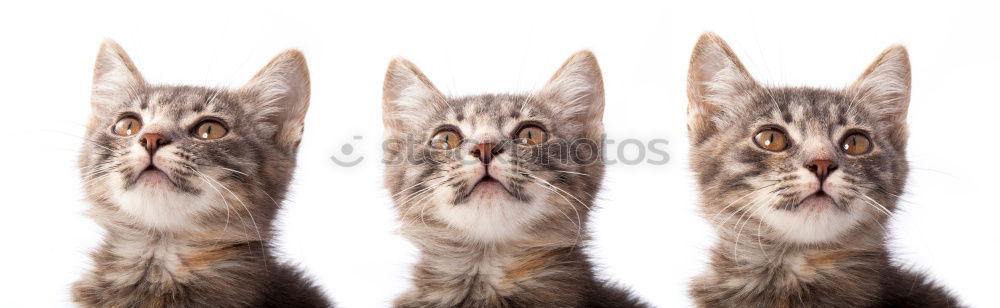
x=338, y=222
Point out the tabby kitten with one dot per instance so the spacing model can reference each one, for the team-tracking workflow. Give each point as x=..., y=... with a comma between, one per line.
x=186, y=182
x=799, y=183
x=495, y=189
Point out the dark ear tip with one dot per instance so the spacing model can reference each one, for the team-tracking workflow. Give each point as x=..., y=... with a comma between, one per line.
x=898, y=48
x=897, y=51
x=403, y=73
x=109, y=44
x=400, y=63
x=895, y=58
x=112, y=56
x=709, y=48
x=293, y=54
x=112, y=47
x=584, y=55
x=708, y=38
x=294, y=57
x=583, y=58
x=400, y=69
x=710, y=43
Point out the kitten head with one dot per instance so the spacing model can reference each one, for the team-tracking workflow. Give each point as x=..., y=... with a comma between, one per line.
x=181, y=158
x=495, y=167
x=812, y=165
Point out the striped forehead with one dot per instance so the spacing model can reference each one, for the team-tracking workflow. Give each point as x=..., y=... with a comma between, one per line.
x=808, y=110
x=493, y=111
x=175, y=103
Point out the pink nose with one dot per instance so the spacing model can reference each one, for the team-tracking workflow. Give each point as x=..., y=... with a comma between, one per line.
x=152, y=142
x=822, y=168
x=486, y=151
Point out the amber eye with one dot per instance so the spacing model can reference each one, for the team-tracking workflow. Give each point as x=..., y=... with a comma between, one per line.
x=128, y=126
x=771, y=139
x=446, y=140
x=530, y=135
x=856, y=144
x=209, y=129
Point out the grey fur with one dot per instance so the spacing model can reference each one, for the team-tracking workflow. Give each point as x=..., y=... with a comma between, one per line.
x=522, y=250
x=771, y=251
x=204, y=240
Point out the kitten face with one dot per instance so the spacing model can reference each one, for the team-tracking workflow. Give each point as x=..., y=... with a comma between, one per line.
x=178, y=158
x=494, y=166
x=812, y=165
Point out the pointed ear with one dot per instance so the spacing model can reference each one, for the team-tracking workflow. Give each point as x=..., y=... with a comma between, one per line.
x=716, y=83
x=280, y=97
x=408, y=97
x=115, y=78
x=576, y=93
x=884, y=89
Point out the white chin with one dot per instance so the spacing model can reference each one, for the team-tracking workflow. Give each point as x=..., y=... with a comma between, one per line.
x=489, y=220
x=162, y=208
x=805, y=226
x=491, y=192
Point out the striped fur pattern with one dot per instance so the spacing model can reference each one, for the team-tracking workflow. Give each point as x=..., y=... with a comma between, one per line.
x=519, y=248
x=200, y=238
x=773, y=251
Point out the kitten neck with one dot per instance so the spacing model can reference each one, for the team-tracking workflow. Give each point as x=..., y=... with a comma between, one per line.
x=233, y=224
x=747, y=249
x=452, y=270
x=774, y=273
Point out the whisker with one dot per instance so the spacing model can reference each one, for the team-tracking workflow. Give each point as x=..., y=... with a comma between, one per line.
x=880, y=206
x=225, y=227
x=560, y=189
x=251, y=181
x=875, y=219
x=417, y=198
x=414, y=185
x=578, y=224
x=728, y=206
x=559, y=171
x=563, y=193
x=247, y=209
x=755, y=204
x=84, y=138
